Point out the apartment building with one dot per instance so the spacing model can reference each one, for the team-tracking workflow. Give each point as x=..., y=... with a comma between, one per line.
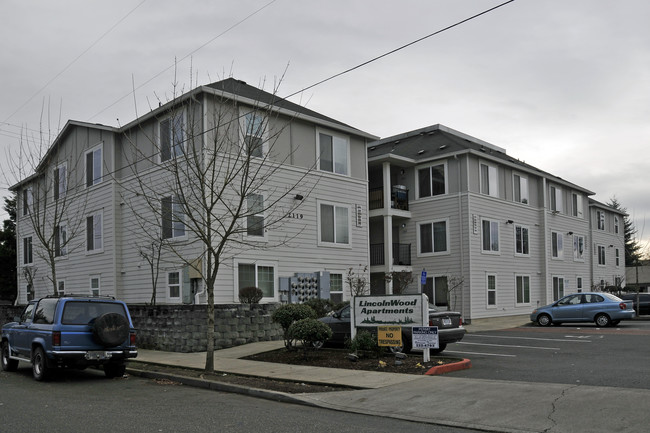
x=103, y=198
x=482, y=232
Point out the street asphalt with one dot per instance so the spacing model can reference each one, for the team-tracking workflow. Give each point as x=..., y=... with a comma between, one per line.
x=488, y=405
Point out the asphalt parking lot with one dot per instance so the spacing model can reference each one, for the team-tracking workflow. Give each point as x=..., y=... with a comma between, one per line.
x=581, y=354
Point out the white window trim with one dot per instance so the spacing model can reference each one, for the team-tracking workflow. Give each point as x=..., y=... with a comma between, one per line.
x=96, y=250
x=58, y=286
x=320, y=131
x=564, y=287
x=514, y=233
x=257, y=263
x=579, y=283
x=342, y=274
x=172, y=157
x=616, y=224
x=560, y=245
x=243, y=111
x=490, y=251
x=63, y=245
x=318, y=228
x=520, y=304
x=417, y=180
x=487, y=291
x=264, y=237
x=598, y=248
x=578, y=208
x=60, y=192
x=527, y=195
x=447, y=238
x=557, y=197
x=600, y=216
x=172, y=299
x=492, y=170
x=617, y=257
x=23, y=250
x=172, y=238
x=575, y=251
x=92, y=150
x=99, y=284
x=28, y=201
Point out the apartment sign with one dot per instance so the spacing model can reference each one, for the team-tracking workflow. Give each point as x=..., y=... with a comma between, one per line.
x=400, y=310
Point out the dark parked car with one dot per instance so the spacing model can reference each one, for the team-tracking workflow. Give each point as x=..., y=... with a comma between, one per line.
x=70, y=331
x=644, y=301
x=449, y=323
x=604, y=309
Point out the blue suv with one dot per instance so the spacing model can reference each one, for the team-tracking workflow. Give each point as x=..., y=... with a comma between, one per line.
x=70, y=332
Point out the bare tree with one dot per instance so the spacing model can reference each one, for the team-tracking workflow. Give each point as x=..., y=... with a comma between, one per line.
x=212, y=183
x=357, y=281
x=401, y=280
x=50, y=199
x=151, y=253
x=454, y=285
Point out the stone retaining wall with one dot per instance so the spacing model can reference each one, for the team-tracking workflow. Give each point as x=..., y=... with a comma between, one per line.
x=182, y=328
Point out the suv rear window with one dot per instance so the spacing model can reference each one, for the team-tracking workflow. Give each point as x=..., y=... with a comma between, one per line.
x=83, y=312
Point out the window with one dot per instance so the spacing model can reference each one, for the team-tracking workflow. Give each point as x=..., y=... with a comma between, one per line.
x=172, y=136
x=94, y=166
x=336, y=287
x=60, y=181
x=28, y=200
x=576, y=205
x=174, y=286
x=173, y=218
x=520, y=185
x=578, y=248
x=490, y=236
x=521, y=240
x=489, y=182
x=432, y=181
x=333, y=153
x=616, y=224
x=579, y=284
x=254, y=127
x=491, y=290
x=257, y=275
x=557, y=247
x=334, y=224
x=94, y=232
x=558, y=288
x=94, y=286
x=556, y=199
x=600, y=217
x=618, y=257
x=255, y=216
x=433, y=237
x=601, y=255
x=522, y=283
x=28, y=257
x=60, y=287
x=60, y=241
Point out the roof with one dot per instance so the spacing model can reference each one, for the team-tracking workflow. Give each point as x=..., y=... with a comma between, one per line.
x=438, y=141
x=596, y=203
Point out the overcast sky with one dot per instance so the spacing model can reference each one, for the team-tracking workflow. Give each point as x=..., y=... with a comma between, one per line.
x=561, y=84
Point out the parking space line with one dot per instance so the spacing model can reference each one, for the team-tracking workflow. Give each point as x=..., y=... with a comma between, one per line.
x=480, y=353
x=581, y=339
x=509, y=345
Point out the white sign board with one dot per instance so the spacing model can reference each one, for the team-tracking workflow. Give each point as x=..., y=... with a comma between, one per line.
x=403, y=310
x=425, y=337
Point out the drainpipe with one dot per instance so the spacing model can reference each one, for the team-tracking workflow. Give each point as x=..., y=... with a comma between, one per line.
x=388, y=226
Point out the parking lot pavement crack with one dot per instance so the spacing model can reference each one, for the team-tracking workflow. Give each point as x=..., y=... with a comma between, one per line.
x=551, y=415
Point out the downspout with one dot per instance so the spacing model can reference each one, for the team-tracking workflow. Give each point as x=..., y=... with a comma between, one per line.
x=545, y=237
x=462, y=231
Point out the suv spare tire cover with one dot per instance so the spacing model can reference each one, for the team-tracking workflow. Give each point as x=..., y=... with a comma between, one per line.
x=111, y=329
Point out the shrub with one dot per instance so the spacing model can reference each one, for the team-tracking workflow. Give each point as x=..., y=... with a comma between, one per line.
x=289, y=313
x=321, y=306
x=311, y=332
x=250, y=296
x=364, y=341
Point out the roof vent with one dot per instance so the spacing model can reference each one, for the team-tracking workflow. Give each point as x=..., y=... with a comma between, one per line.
x=442, y=147
x=420, y=152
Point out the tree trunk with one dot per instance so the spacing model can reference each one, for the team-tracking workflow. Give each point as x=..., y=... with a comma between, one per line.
x=209, y=356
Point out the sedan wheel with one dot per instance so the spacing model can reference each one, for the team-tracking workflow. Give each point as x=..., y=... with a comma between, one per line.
x=602, y=320
x=544, y=320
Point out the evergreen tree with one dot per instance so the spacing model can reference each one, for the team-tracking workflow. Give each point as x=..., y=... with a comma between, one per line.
x=632, y=247
x=8, y=283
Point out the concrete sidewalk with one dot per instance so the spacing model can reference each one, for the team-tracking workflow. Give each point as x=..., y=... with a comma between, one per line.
x=471, y=403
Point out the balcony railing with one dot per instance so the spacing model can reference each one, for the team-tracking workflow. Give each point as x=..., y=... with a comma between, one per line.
x=399, y=198
x=401, y=254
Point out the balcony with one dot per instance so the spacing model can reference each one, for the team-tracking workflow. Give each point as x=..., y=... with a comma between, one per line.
x=401, y=254
x=399, y=198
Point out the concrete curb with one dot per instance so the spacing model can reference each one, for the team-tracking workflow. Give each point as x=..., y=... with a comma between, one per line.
x=452, y=366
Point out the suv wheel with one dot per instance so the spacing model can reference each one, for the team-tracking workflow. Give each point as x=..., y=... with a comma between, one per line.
x=111, y=329
x=39, y=364
x=7, y=363
x=113, y=369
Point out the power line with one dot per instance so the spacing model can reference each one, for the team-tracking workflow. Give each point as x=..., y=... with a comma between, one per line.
x=75, y=59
